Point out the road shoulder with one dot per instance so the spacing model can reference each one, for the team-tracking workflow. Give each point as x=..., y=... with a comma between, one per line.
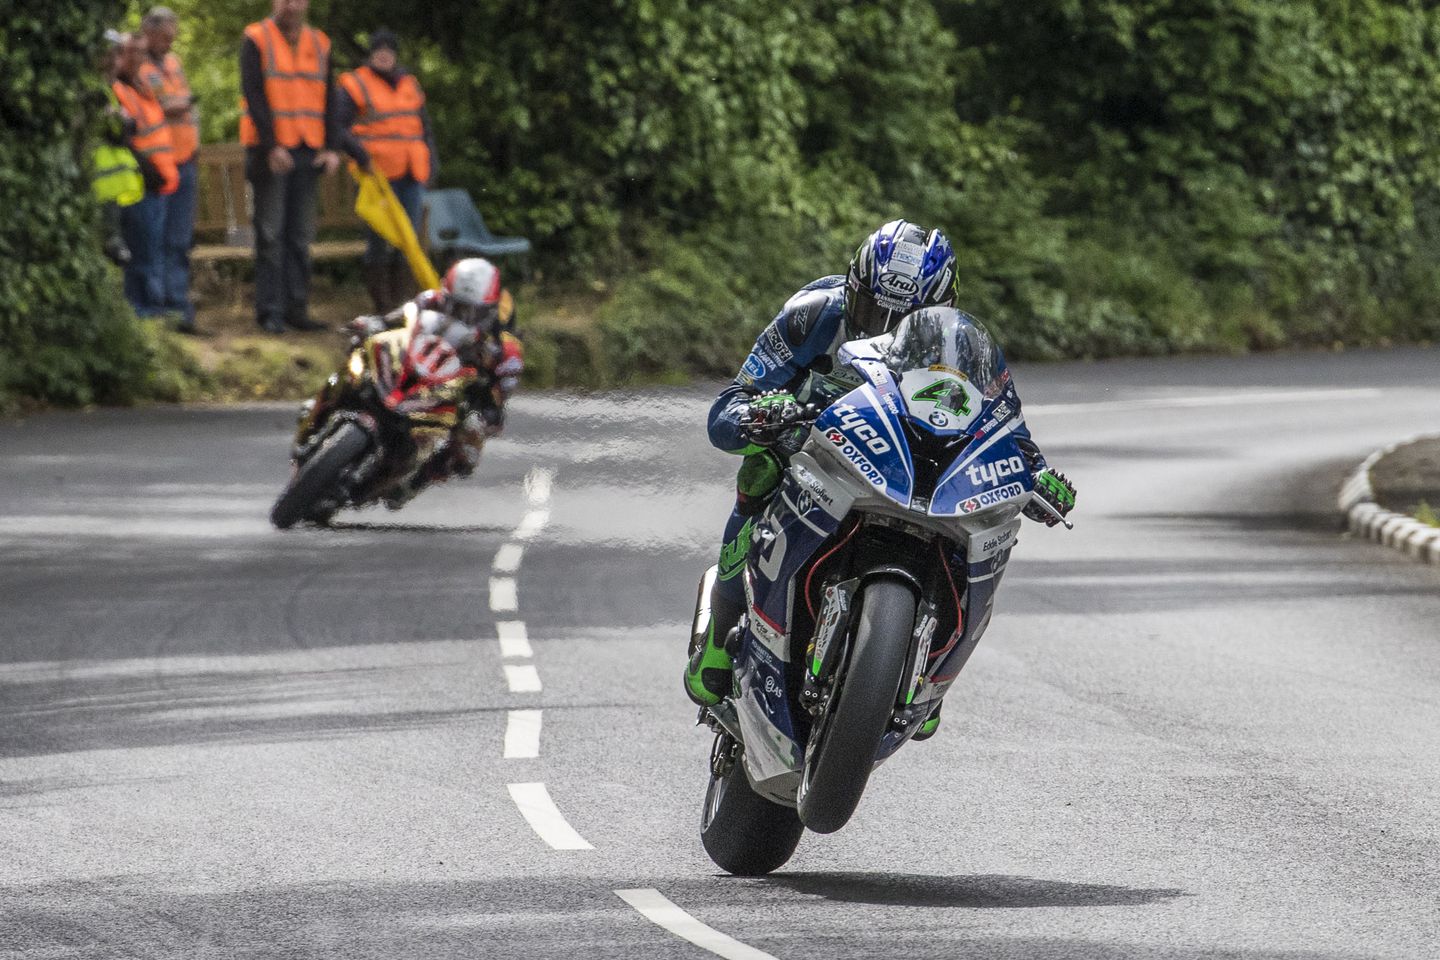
x=1382, y=496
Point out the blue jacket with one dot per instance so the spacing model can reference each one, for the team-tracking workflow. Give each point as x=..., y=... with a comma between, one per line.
x=796, y=353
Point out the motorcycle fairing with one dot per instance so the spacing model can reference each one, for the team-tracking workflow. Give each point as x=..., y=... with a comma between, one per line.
x=990, y=472
x=864, y=428
x=803, y=514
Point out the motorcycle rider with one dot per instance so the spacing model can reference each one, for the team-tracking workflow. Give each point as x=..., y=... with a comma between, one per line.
x=472, y=312
x=899, y=268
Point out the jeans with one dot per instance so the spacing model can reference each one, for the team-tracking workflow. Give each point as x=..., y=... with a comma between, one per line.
x=142, y=225
x=411, y=194
x=179, y=232
x=284, y=229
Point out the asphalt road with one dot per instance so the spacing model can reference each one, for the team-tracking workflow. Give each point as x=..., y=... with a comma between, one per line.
x=1203, y=724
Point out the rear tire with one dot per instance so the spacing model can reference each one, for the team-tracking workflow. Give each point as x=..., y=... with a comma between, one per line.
x=843, y=743
x=744, y=833
x=318, y=475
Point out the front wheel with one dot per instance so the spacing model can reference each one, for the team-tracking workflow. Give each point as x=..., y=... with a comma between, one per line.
x=744, y=833
x=843, y=742
x=318, y=475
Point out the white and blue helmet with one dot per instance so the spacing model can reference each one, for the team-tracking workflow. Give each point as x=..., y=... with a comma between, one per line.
x=899, y=268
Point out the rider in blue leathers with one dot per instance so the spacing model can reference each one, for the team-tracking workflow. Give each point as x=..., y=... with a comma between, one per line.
x=899, y=268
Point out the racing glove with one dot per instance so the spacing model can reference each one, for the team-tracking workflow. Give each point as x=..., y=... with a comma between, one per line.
x=775, y=421
x=1052, y=487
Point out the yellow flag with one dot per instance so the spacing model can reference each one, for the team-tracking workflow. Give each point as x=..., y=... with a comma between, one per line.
x=378, y=206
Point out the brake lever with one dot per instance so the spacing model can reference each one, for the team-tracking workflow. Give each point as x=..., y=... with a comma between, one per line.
x=1049, y=508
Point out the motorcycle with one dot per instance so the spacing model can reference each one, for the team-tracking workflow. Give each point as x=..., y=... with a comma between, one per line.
x=376, y=421
x=870, y=579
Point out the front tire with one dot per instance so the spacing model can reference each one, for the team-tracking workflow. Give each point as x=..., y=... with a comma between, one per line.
x=844, y=742
x=318, y=475
x=744, y=833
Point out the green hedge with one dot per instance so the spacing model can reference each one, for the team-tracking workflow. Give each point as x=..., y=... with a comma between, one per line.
x=66, y=334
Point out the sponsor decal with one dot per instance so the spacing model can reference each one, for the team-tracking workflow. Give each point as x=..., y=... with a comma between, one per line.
x=993, y=545
x=856, y=426
x=992, y=473
x=992, y=497
x=852, y=453
x=812, y=486
x=898, y=285
x=939, y=419
x=754, y=368
x=908, y=253
x=775, y=342
x=889, y=402
x=804, y=503
x=999, y=415
x=942, y=368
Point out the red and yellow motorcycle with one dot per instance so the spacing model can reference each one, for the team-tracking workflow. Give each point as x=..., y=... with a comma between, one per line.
x=376, y=421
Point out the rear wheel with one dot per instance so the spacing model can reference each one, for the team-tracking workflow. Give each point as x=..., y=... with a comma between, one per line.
x=744, y=833
x=318, y=476
x=843, y=742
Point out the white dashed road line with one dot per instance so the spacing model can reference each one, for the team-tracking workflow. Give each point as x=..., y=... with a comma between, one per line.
x=503, y=598
x=522, y=727
x=533, y=523
x=522, y=735
x=514, y=641
x=508, y=559
x=544, y=818
x=522, y=678
x=657, y=909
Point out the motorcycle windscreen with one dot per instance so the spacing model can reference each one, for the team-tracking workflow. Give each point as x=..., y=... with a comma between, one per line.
x=989, y=473
x=863, y=429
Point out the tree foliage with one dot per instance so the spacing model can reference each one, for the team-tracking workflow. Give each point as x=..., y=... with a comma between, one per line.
x=65, y=333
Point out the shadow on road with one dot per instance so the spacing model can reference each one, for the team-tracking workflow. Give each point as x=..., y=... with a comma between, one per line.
x=985, y=891
x=367, y=527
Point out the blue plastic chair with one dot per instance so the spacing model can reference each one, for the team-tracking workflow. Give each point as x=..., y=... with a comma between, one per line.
x=455, y=229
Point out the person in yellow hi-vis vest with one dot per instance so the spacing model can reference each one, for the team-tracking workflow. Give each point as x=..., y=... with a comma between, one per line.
x=382, y=105
x=115, y=173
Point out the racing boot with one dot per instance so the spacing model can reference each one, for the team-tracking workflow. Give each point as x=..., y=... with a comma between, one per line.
x=708, y=677
x=931, y=724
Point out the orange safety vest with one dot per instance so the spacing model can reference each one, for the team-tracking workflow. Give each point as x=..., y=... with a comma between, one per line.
x=152, y=133
x=294, y=85
x=167, y=79
x=388, y=123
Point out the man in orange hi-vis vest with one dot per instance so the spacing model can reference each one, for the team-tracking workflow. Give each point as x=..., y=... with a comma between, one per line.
x=141, y=224
x=164, y=76
x=382, y=105
x=289, y=132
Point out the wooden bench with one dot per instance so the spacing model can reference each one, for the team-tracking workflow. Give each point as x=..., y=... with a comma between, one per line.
x=223, y=210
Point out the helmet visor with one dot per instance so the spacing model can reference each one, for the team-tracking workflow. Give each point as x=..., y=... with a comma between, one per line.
x=867, y=316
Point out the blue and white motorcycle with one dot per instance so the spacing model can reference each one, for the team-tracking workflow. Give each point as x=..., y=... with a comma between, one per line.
x=870, y=579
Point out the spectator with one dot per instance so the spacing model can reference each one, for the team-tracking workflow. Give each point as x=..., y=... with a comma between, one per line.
x=381, y=104
x=165, y=78
x=288, y=128
x=117, y=181
x=141, y=223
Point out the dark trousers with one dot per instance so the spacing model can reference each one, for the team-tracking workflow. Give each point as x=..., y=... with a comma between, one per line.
x=141, y=224
x=179, y=233
x=284, y=229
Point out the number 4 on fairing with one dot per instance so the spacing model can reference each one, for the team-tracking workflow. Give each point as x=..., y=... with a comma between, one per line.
x=946, y=394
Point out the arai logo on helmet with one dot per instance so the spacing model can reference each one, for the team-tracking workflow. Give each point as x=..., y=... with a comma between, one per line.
x=899, y=285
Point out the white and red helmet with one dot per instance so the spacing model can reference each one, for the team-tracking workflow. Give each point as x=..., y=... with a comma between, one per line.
x=472, y=291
